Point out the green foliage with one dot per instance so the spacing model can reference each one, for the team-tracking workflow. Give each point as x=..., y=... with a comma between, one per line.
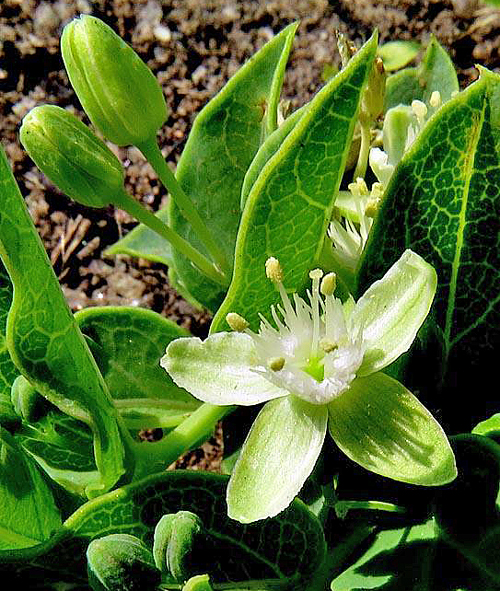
x=252, y=187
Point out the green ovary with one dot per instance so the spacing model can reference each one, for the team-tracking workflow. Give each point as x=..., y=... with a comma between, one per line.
x=315, y=368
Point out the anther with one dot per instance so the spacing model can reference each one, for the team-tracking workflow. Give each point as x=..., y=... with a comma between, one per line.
x=328, y=284
x=316, y=274
x=420, y=110
x=435, y=100
x=276, y=363
x=371, y=208
x=274, y=271
x=236, y=322
x=327, y=345
x=358, y=188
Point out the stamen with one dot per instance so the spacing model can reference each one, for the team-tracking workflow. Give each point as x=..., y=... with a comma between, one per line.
x=371, y=208
x=276, y=363
x=274, y=271
x=420, y=110
x=327, y=345
x=358, y=188
x=236, y=322
x=435, y=100
x=315, y=275
x=328, y=284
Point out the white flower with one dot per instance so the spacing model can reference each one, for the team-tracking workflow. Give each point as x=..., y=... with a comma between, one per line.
x=318, y=368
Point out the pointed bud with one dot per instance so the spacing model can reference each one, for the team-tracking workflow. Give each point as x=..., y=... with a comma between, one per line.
x=236, y=322
x=71, y=156
x=276, y=363
x=118, y=91
x=328, y=284
x=274, y=271
x=121, y=561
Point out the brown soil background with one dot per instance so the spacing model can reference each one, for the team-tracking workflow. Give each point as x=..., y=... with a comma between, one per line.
x=193, y=47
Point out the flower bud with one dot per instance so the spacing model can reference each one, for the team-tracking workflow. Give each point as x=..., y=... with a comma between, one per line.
x=174, y=543
x=121, y=561
x=118, y=91
x=198, y=583
x=71, y=156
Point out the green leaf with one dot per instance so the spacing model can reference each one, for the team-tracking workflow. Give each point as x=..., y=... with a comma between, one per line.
x=398, y=54
x=380, y=425
x=412, y=558
x=43, y=339
x=285, y=549
x=221, y=145
x=8, y=371
x=28, y=514
x=220, y=370
x=266, y=151
x=392, y=310
x=290, y=205
x=63, y=448
x=127, y=344
x=442, y=202
x=436, y=72
x=278, y=455
x=489, y=426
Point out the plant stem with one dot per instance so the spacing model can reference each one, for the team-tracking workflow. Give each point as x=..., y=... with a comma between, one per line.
x=134, y=208
x=154, y=457
x=153, y=155
x=364, y=150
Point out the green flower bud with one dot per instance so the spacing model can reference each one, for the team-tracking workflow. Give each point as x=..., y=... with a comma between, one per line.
x=71, y=156
x=118, y=91
x=397, y=126
x=121, y=562
x=174, y=543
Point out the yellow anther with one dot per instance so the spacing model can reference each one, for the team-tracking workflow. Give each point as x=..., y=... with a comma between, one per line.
x=274, y=271
x=419, y=108
x=316, y=274
x=358, y=188
x=276, y=363
x=435, y=100
x=236, y=322
x=328, y=284
x=377, y=190
x=371, y=208
x=327, y=345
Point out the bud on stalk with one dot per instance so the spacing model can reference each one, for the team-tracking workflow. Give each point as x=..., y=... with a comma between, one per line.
x=71, y=156
x=118, y=91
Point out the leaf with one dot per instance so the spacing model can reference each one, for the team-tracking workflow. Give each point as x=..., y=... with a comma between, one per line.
x=8, y=371
x=290, y=205
x=397, y=54
x=285, y=549
x=43, y=339
x=436, y=72
x=28, y=514
x=221, y=145
x=63, y=448
x=412, y=558
x=128, y=343
x=442, y=202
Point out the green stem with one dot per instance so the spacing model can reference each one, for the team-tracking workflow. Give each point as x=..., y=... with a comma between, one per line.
x=343, y=507
x=134, y=208
x=154, y=457
x=364, y=151
x=153, y=155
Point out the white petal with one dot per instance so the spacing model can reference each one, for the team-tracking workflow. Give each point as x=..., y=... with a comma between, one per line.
x=393, y=309
x=219, y=370
x=277, y=457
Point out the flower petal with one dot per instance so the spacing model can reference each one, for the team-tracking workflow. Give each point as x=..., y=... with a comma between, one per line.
x=219, y=370
x=278, y=455
x=380, y=425
x=393, y=309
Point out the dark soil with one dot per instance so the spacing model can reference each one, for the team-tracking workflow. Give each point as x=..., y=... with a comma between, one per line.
x=193, y=46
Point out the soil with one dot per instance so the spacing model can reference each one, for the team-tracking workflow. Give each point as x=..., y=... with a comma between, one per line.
x=193, y=47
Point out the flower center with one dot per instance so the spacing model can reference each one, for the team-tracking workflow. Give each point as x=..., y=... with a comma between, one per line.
x=315, y=368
